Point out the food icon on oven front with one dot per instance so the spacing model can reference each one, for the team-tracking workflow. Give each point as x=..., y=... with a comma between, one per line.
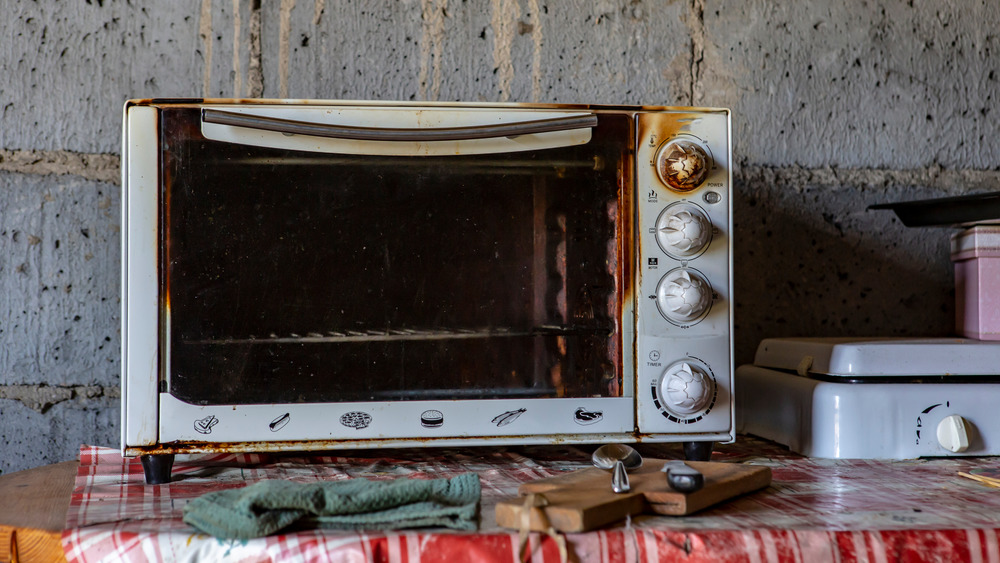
x=356, y=420
x=205, y=425
x=280, y=422
x=505, y=418
x=432, y=419
x=587, y=417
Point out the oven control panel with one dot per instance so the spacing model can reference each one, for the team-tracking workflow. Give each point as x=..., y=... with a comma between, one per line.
x=684, y=274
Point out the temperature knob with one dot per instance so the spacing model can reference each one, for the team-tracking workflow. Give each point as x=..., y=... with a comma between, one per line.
x=683, y=230
x=686, y=388
x=682, y=165
x=953, y=434
x=683, y=295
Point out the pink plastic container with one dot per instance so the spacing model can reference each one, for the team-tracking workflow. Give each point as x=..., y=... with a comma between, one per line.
x=976, y=254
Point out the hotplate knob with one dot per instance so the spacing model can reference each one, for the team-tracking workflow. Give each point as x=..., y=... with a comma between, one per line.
x=683, y=230
x=682, y=165
x=686, y=388
x=953, y=434
x=683, y=295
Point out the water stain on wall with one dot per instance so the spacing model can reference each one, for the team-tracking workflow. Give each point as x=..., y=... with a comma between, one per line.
x=433, y=13
x=285, y=30
x=318, y=7
x=237, y=75
x=205, y=32
x=508, y=21
x=255, y=72
x=536, y=58
x=251, y=47
x=503, y=20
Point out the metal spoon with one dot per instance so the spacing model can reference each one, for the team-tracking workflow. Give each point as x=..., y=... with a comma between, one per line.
x=618, y=458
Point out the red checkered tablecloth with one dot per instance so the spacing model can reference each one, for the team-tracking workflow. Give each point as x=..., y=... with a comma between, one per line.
x=815, y=510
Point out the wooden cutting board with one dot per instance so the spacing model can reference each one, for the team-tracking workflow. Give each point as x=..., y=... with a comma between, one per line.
x=583, y=500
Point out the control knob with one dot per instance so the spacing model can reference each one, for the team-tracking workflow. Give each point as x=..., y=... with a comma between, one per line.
x=683, y=230
x=682, y=165
x=683, y=295
x=953, y=434
x=686, y=388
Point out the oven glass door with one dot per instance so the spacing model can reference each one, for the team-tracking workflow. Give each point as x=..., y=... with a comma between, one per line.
x=293, y=272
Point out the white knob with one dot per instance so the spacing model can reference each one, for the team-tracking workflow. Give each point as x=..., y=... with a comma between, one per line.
x=683, y=295
x=683, y=230
x=953, y=434
x=686, y=388
x=682, y=165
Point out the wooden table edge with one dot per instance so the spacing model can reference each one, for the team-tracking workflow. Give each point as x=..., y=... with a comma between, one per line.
x=35, y=502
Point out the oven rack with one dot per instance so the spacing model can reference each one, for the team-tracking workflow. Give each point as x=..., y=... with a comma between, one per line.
x=409, y=334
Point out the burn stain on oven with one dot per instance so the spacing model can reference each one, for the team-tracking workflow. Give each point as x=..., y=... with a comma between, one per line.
x=297, y=277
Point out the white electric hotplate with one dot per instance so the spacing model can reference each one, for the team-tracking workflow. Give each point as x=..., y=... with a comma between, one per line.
x=873, y=398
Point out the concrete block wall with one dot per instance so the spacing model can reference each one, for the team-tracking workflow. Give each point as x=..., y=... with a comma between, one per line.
x=836, y=107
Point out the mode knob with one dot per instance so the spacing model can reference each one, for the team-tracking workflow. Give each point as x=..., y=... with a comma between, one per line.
x=953, y=434
x=683, y=295
x=686, y=388
x=682, y=165
x=683, y=230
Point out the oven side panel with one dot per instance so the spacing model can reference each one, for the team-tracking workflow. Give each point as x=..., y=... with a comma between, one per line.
x=140, y=282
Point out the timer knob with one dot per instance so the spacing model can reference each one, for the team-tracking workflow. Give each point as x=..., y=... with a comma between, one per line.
x=682, y=165
x=683, y=230
x=953, y=434
x=683, y=295
x=686, y=388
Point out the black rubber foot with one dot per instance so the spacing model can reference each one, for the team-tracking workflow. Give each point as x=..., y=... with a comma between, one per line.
x=157, y=468
x=698, y=451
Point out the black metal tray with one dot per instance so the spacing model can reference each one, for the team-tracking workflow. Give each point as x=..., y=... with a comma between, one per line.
x=946, y=211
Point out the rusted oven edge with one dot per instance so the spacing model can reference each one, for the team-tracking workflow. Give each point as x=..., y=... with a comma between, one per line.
x=480, y=441
x=732, y=296
x=123, y=273
x=626, y=265
x=140, y=287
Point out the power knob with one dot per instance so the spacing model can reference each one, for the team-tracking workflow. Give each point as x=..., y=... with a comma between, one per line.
x=683, y=295
x=686, y=388
x=953, y=434
x=683, y=230
x=682, y=165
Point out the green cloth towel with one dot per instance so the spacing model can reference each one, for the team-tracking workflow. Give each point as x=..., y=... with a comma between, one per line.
x=269, y=506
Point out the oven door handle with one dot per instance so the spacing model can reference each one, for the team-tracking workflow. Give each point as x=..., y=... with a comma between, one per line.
x=292, y=127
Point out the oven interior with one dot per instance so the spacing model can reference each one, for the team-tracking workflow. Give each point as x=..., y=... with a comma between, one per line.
x=292, y=276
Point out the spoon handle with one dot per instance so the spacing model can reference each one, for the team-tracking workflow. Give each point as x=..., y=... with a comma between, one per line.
x=619, y=478
x=682, y=477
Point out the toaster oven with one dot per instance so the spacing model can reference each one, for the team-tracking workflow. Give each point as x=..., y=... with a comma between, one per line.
x=314, y=275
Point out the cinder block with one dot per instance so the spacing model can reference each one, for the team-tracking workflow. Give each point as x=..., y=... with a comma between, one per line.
x=69, y=67
x=857, y=84
x=59, y=280
x=30, y=439
x=505, y=50
x=811, y=260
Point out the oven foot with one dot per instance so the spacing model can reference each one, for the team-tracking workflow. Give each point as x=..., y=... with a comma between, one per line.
x=157, y=468
x=698, y=451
